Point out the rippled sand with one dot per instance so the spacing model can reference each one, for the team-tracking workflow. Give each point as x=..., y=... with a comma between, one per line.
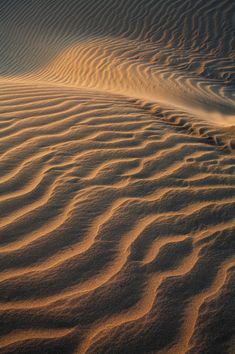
x=117, y=176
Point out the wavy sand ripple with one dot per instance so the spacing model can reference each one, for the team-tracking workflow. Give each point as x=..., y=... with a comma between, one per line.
x=117, y=184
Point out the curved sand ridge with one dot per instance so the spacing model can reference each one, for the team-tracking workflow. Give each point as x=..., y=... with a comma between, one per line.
x=179, y=53
x=117, y=187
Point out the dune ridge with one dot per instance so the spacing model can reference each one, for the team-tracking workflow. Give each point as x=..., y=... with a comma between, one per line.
x=130, y=51
x=117, y=184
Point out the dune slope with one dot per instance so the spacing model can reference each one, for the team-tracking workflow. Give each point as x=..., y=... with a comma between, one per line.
x=117, y=183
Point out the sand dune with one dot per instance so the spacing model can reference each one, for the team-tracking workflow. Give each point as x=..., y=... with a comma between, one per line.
x=117, y=184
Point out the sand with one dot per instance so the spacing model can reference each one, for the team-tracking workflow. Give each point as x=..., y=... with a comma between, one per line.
x=117, y=177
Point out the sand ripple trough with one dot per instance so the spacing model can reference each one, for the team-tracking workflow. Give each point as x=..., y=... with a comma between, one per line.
x=117, y=177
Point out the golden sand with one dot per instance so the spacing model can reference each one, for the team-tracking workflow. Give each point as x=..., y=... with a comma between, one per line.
x=117, y=185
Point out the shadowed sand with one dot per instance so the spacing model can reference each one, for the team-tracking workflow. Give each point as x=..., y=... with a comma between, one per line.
x=117, y=184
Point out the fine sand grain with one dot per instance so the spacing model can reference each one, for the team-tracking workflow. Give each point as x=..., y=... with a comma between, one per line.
x=117, y=177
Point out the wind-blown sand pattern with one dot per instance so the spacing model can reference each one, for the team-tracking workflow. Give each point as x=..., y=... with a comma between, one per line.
x=117, y=184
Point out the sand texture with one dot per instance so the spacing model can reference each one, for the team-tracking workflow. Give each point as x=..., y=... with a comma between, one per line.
x=117, y=177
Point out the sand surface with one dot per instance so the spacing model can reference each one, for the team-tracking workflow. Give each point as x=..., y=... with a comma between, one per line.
x=117, y=176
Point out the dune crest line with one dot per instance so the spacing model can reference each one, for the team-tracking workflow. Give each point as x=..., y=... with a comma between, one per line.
x=117, y=177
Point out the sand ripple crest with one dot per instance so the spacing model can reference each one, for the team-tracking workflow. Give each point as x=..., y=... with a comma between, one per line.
x=117, y=177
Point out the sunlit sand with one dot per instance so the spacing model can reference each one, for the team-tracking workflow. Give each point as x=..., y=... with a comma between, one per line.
x=117, y=177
